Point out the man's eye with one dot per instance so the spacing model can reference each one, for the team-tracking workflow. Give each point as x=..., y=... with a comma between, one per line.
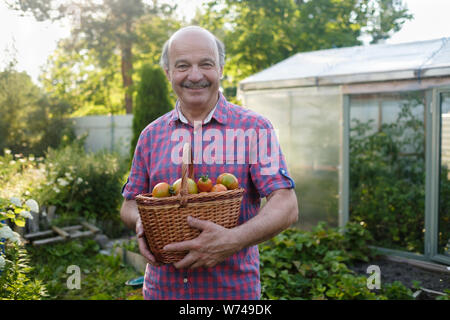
x=182, y=66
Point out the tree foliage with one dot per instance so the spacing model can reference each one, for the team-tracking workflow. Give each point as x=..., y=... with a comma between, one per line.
x=258, y=33
x=112, y=38
x=30, y=121
x=76, y=77
x=152, y=100
x=106, y=29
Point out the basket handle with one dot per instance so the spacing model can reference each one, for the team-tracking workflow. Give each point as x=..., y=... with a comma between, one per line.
x=187, y=171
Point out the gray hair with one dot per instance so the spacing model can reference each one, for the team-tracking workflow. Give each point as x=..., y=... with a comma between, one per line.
x=164, y=61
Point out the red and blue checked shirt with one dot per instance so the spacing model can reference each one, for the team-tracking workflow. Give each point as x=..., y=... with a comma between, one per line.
x=157, y=158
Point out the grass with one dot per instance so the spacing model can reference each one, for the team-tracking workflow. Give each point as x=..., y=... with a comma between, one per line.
x=102, y=277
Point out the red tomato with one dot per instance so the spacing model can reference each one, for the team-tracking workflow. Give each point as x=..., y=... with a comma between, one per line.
x=218, y=188
x=161, y=190
x=228, y=180
x=192, y=186
x=204, y=184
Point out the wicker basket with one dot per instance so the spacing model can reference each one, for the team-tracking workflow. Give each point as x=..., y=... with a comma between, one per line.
x=165, y=219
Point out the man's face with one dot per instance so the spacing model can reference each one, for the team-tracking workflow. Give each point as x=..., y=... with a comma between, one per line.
x=194, y=69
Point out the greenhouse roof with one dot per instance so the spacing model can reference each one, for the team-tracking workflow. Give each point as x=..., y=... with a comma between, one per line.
x=380, y=62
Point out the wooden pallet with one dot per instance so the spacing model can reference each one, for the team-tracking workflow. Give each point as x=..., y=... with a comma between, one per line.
x=56, y=234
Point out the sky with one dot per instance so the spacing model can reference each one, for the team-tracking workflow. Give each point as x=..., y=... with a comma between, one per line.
x=35, y=41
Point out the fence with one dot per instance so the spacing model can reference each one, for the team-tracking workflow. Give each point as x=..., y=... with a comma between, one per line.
x=112, y=133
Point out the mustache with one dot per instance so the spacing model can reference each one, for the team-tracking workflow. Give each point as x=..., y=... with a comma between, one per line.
x=196, y=85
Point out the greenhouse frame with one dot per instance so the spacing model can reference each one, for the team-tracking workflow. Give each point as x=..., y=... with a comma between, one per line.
x=366, y=134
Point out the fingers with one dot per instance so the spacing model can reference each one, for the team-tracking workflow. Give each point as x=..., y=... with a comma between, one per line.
x=193, y=260
x=143, y=246
x=144, y=250
x=186, y=262
x=181, y=246
x=199, y=224
x=190, y=260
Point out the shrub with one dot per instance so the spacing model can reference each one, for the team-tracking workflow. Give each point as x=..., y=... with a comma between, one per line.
x=387, y=182
x=101, y=276
x=152, y=100
x=20, y=174
x=15, y=282
x=84, y=185
x=30, y=122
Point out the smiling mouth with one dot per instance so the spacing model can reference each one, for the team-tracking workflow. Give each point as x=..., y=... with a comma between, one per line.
x=196, y=86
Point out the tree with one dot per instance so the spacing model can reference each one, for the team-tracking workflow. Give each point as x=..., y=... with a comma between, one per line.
x=388, y=17
x=258, y=33
x=75, y=77
x=30, y=122
x=17, y=96
x=107, y=28
x=152, y=100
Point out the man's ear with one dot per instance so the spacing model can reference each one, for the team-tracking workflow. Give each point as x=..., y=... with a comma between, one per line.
x=221, y=72
x=166, y=71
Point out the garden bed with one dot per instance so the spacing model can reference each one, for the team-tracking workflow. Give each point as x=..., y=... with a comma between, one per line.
x=413, y=277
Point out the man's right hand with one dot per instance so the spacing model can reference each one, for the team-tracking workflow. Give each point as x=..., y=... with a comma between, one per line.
x=142, y=243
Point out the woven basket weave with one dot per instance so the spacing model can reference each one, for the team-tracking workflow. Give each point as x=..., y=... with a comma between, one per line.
x=165, y=219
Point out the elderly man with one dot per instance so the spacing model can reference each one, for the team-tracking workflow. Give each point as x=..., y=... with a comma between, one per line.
x=221, y=263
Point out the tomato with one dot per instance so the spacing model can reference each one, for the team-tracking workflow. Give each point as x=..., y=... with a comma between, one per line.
x=228, y=180
x=161, y=190
x=218, y=188
x=204, y=184
x=192, y=186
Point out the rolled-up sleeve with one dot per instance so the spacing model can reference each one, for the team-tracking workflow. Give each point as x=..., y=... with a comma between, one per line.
x=138, y=180
x=270, y=172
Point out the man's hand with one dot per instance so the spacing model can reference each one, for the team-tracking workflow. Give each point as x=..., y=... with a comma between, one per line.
x=214, y=244
x=142, y=243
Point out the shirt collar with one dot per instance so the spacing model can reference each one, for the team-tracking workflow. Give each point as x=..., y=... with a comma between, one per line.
x=185, y=121
x=219, y=112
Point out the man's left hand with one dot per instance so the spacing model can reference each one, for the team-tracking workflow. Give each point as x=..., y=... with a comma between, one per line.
x=214, y=244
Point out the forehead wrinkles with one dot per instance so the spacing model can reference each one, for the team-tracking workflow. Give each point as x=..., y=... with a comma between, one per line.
x=193, y=44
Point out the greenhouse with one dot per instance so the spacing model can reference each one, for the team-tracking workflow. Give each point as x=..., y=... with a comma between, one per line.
x=366, y=134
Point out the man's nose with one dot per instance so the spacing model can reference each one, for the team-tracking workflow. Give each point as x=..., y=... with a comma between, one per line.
x=195, y=74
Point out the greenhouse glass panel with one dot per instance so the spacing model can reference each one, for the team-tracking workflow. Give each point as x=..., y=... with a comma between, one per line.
x=316, y=147
x=308, y=125
x=444, y=193
x=275, y=106
x=387, y=168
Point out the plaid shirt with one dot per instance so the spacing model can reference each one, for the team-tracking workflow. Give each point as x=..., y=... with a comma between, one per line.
x=237, y=277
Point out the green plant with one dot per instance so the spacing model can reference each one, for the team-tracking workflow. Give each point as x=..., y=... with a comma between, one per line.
x=311, y=265
x=387, y=179
x=152, y=100
x=130, y=245
x=30, y=121
x=19, y=174
x=84, y=186
x=397, y=291
x=446, y=296
x=102, y=276
x=15, y=280
x=314, y=265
